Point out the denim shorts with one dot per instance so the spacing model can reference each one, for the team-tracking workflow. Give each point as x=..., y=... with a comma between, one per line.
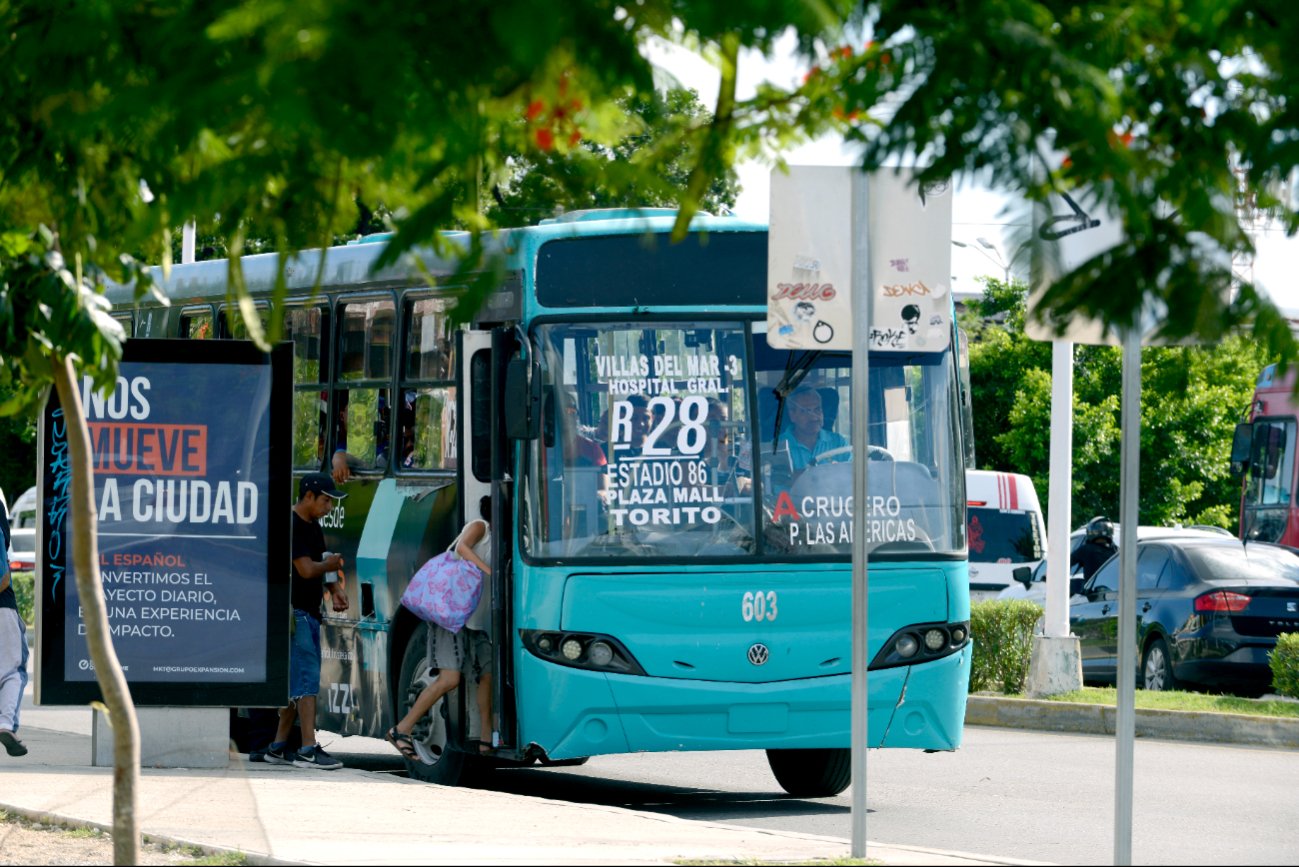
x=304, y=657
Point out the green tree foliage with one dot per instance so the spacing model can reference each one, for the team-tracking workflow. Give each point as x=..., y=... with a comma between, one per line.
x=659, y=134
x=17, y=452
x=1191, y=400
x=296, y=121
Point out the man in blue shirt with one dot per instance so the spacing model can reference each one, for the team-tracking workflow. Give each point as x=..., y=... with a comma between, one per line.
x=806, y=438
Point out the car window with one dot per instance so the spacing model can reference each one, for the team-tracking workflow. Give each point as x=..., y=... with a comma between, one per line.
x=1039, y=571
x=1105, y=579
x=1234, y=562
x=1175, y=575
x=1149, y=566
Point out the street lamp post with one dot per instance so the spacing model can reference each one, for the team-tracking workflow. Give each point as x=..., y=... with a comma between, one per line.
x=995, y=257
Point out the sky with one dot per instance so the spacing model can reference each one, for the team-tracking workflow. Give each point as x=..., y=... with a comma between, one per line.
x=977, y=212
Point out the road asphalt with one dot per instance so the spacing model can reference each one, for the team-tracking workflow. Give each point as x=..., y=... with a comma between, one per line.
x=286, y=815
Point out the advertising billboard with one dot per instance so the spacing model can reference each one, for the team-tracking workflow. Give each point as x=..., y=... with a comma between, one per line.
x=192, y=495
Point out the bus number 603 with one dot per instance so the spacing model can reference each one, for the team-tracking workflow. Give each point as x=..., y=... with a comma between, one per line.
x=758, y=606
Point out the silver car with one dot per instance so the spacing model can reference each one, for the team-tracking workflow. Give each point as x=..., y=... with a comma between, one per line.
x=1031, y=584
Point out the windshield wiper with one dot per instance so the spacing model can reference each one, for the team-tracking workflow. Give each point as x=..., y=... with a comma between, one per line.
x=796, y=370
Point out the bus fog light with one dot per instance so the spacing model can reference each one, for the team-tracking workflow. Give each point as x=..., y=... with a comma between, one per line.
x=545, y=644
x=935, y=639
x=906, y=646
x=600, y=653
x=572, y=649
x=958, y=635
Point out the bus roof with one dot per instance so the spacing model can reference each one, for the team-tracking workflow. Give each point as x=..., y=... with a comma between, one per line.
x=352, y=265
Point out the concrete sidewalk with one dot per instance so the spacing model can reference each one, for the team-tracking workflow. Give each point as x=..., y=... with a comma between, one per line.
x=278, y=815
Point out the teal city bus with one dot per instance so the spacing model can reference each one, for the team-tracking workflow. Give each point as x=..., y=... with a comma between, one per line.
x=669, y=572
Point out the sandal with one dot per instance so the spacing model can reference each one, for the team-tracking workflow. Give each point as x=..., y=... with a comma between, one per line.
x=403, y=744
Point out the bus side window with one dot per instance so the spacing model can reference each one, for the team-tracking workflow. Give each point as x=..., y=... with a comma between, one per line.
x=196, y=323
x=232, y=322
x=362, y=407
x=307, y=328
x=426, y=411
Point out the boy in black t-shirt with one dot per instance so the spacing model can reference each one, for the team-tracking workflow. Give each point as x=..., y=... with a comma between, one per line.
x=317, y=495
x=13, y=652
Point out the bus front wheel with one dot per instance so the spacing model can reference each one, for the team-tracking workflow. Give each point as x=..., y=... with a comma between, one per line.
x=812, y=773
x=436, y=762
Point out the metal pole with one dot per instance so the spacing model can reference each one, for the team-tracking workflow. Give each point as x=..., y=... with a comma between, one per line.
x=861, y=318
x=1058, y=498
x=1129, y=488
x=187, y=234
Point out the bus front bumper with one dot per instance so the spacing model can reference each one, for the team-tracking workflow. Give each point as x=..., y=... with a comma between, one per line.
x=572, y=712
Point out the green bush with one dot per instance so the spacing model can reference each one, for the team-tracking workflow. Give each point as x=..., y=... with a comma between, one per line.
x=1285, y=664
x=1002, y=630
x=22, y=584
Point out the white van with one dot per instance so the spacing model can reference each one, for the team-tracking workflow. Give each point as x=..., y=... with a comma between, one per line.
x=22, y=532
x=1004, y=529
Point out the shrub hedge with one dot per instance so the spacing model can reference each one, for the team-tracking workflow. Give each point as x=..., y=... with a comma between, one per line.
x=1002, y=631
x=1285, y=664
x=22, y=584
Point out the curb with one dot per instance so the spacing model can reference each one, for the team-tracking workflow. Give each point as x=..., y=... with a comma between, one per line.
x=56, y=820
x=1181, y=725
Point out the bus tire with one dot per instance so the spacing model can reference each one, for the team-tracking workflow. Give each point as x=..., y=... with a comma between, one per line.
x=563, y=763
x=437, y=763
x=812, y=773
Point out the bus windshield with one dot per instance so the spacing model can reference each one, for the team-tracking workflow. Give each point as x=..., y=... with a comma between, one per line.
x=658, y=441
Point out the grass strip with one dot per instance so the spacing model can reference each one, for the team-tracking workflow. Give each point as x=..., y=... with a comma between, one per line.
x=1178, y=700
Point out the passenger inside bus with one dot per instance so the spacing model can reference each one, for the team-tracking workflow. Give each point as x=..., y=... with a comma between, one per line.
x=720, y=453
x=368, y=414
x=584, y=462
x=637, y=426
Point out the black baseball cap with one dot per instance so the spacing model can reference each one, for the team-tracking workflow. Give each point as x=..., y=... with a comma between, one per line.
x=319, y=483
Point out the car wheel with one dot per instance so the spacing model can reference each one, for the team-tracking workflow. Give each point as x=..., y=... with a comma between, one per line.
x=1157, y=670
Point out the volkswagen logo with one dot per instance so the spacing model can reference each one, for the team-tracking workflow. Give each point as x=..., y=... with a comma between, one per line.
x=758, y=654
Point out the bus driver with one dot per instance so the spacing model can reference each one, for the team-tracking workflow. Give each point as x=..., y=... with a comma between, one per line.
x=805, y=437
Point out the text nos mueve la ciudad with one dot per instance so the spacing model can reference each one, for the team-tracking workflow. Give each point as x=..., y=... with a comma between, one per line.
x=153, y=475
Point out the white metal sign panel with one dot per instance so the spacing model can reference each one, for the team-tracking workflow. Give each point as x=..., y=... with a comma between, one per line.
x=810, y=260
x=911, y=263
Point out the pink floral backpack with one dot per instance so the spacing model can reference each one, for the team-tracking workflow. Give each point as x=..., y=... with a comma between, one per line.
x=445, y=590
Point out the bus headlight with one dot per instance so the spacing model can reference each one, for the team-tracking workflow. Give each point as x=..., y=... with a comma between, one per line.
x=922, y=642
x=601, y=653
x=590, y=650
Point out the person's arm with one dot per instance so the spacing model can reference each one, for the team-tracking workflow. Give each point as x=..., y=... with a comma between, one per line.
x=309, y=568
x=472, y=535
x=312, y=569
x=340, y=467
x=337, y=590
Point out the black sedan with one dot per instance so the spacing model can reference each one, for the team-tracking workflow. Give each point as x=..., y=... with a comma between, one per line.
x=1208, y=611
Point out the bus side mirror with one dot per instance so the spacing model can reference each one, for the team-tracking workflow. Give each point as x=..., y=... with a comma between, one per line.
x=522, y=399
x=1024, y=575
x=1240, y=444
